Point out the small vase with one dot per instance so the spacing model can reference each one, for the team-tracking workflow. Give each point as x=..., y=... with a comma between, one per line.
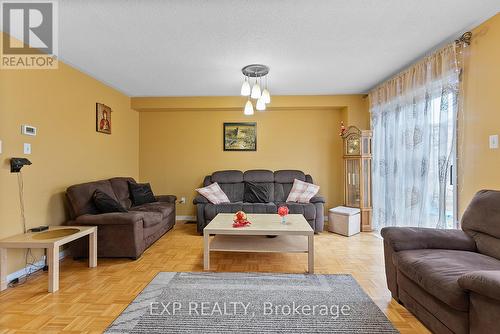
x=283, y=219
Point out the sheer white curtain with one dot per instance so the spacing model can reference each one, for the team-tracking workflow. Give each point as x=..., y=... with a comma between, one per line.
x=413, y=121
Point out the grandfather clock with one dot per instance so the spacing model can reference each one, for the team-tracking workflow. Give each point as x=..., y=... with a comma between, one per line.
x=357, y=173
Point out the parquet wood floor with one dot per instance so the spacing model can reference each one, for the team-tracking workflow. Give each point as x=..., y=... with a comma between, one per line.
x=90, y=299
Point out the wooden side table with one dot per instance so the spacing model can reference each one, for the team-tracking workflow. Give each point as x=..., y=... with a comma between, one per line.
x=51, y=240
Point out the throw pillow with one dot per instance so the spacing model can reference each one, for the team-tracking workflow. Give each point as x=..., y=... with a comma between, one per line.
x=214, y=194
x=302, y=192
x=256, y=193
x=105, y=203
x=141, y=193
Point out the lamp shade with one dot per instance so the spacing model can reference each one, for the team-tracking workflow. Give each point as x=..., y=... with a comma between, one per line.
x=255, y=91
x=261, y=104
x=245, y=88
x=266, y=96
x=248, y=108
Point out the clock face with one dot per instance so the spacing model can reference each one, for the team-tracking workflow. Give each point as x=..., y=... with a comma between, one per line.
x=352, y=146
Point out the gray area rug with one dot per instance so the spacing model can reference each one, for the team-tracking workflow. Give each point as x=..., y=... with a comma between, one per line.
x=251, y=303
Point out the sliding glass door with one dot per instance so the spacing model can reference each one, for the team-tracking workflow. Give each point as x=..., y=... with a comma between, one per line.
x=414, y=160
x=444, y=119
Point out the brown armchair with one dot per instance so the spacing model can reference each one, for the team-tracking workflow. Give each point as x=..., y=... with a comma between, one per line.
x=449, y=279
x=119, y=234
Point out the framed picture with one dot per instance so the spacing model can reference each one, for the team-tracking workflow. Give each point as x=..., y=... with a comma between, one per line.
x=102, y=118
x=240, y=136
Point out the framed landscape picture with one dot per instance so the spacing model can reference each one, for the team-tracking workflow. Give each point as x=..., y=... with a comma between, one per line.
x=240, y=136
x=103, y=118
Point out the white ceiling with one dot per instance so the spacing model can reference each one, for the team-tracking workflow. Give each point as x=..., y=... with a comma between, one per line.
x=197, y=47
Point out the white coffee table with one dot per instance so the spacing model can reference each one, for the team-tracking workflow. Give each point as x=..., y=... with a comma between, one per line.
x=296, y=236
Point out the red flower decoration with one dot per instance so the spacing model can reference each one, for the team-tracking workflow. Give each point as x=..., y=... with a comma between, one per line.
x=283, y=211
x=240, y=219
x=242, y=223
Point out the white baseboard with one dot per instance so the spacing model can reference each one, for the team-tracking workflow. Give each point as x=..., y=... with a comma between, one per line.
x=34, y=267
x=189, y=218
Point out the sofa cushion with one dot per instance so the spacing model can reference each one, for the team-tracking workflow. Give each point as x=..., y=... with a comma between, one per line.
x=105, y=204
x=283, y=181
x=259, y=208
x=288, y=176
x=81, y=196
x=228, y=176
x=257, y=192
x=120, y=187
x=234, y=191
x=308, y=210
x=261, y=177
x=211, y=210
x=258, y=175
x=141, y=193
x=437, y=271
x=481, y=220
x=165, y=208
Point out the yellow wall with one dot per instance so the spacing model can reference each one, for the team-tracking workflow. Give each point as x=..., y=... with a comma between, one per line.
x=480, y=165
x=181, y=140
x=67, y=149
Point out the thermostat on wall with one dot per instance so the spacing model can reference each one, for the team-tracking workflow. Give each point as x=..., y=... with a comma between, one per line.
x=29, y=130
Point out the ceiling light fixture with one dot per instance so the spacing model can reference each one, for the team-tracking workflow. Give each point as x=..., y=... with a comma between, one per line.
x=261, y=104
x=248, y=108
x=263, y=97
x=265, y=94
x=245, y=88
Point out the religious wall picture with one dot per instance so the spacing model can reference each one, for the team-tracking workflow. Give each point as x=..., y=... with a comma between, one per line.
x=103, y=118
x=240, y=136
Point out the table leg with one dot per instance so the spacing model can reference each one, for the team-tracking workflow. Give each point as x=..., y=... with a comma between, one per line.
x=53, y=261
x=3, y=269
x=93, y=249
x=310, y=254
x=206, y=251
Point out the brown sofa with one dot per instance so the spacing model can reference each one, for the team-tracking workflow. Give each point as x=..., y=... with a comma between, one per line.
x=450, y=279
x=119, y=234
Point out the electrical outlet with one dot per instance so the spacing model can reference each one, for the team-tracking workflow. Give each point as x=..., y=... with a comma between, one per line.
x=183, y=200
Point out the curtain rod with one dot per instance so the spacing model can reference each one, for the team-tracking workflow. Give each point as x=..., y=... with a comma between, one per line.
x=465, y=38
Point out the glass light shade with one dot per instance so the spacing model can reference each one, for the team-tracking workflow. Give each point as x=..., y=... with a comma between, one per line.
x=245, y=88
x=261, y=104
x=266, y=96
x=255, y=91
x=248, y=108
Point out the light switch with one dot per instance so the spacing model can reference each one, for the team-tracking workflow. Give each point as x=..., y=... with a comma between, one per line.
x=1, y=148
x=27, y=148
x=494, y=141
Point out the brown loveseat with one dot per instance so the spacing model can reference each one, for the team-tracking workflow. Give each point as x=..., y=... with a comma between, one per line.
x=450, y=279
x=119, y=234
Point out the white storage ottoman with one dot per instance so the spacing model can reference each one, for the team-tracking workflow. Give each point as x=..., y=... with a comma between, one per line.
x=344, y=220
